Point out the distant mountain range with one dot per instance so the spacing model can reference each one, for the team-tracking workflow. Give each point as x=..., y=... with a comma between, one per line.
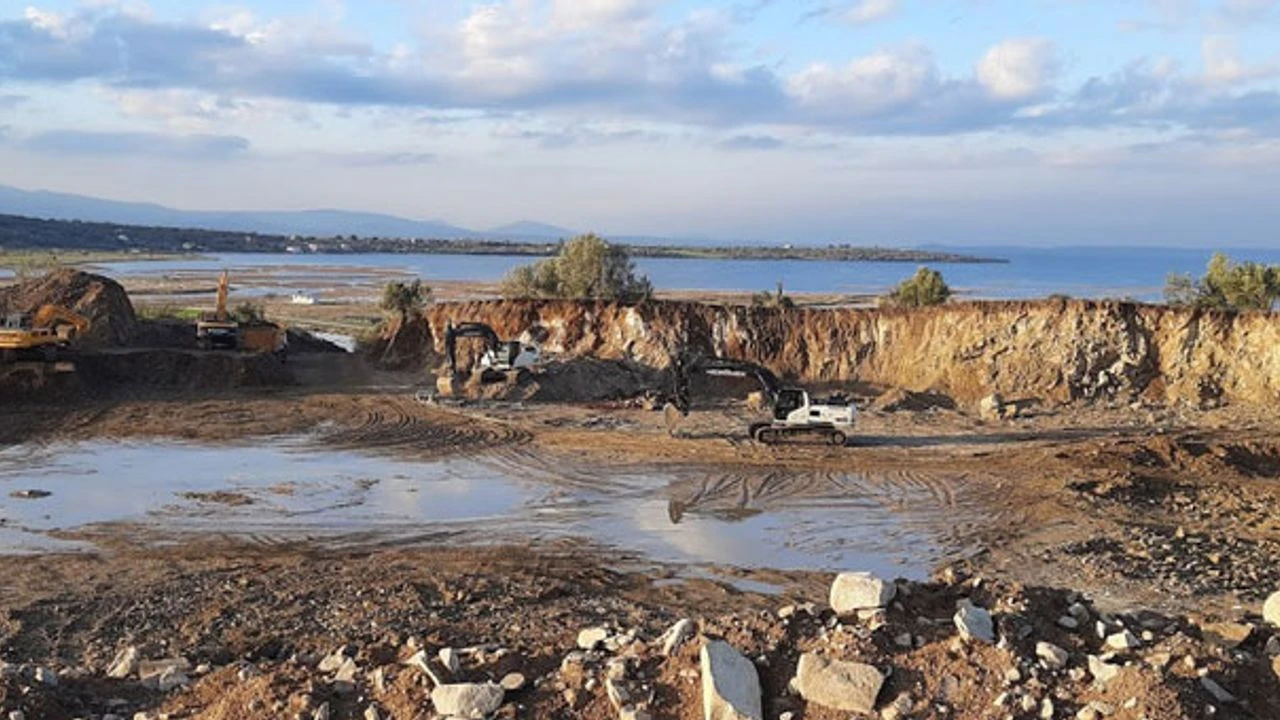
x=318, y=223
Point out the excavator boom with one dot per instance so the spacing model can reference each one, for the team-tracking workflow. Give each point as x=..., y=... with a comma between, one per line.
x=224, y=287
x=719, y=366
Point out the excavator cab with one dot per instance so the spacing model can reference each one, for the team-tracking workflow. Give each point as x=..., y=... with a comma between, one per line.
x=789, y=400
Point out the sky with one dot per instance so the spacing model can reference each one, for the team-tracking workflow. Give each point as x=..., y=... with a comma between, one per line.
x=890, y=122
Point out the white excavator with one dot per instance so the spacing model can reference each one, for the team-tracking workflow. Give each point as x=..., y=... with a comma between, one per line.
x=498, y=355
x=793, y=413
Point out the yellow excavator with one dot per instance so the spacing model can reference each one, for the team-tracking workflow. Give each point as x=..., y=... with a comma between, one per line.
x=40, y=335
x=218, y=331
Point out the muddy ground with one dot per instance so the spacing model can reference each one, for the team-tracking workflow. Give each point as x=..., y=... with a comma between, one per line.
x=1169, y=510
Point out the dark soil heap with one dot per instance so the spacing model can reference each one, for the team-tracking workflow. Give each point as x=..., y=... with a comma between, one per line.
x=98, y=298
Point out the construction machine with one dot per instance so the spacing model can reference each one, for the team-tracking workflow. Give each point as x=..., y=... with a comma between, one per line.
x=40, y=335
x=219, y=331
x=499, y=355
x=793, y=413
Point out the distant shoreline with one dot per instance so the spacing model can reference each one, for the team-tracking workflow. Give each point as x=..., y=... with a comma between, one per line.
x=18, y=233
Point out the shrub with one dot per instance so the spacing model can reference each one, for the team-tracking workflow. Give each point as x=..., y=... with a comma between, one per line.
x=772, y=299
x=923, y=289
x=1227, y=286
x=247, y=312
x=405, y=299
x=587, y=267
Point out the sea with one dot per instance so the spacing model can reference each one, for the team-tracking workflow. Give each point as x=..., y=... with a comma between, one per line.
x=1136, y=273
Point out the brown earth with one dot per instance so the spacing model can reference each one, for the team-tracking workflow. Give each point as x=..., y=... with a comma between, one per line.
x=98, y=298
x=1103, y=482
x=1048, y=351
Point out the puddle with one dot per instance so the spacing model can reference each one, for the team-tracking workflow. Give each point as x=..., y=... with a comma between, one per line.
x=287, y=489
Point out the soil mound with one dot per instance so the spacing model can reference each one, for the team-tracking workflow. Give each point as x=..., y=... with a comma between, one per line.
x=98, y=298
x=181, y=369
x=404, y=346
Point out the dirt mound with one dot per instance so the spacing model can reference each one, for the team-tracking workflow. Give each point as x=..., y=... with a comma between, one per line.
x=897, y=399
x=404, y=346
x=580, y=380
x=98, y=298
x=301, y=341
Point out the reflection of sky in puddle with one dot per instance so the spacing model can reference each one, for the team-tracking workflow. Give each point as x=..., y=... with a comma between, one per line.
x=297, y=488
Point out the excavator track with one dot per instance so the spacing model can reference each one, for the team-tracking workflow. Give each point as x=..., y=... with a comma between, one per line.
x=770, y=434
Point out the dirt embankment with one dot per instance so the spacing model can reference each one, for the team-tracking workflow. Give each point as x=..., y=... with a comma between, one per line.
x=98, y=298
x=1054, y=351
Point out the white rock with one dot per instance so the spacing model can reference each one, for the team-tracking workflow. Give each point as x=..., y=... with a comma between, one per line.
x=472, y=701
x=676, y=635
x=1218, y=692
x=322, y=712
x=630, y=713
x=512, y=682
x=17, y=715
x=1272, y=648
x=1046, y=709
x=1123, y=640
x=449, y=658
x=46, y=676
x=975, y=623
x=419, y=660
x=591, y=638
x=332, y=661
x=124, y=664
x=371, y=713
x=853, y=591
x=730, y=685
x=1271, y=609
x=1102, y=672
x=839, y=685
x=1053, y=656
x=616, y=693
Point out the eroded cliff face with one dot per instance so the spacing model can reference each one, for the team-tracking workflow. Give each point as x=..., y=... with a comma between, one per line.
x=1057, y=351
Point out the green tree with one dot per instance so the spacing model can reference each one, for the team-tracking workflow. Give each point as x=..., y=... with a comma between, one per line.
x=405, y=299
x=1227, y=286
x=923, y=289
x=586, y=267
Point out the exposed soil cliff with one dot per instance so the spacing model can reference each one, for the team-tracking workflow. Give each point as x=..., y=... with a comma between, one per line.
x=1055, y=351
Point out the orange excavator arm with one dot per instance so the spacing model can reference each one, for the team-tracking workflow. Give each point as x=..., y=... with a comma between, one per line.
x=224, y=286
x=48, y=316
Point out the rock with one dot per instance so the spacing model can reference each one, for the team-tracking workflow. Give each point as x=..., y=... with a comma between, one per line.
x=17, y=715
x=322, y=712
x=591, y=638
x=730, y=685
x=419, y=660
x=171, y=679
x=1272, y=648
x=1271, y=609
x=1102, y=672
x=333, y=660
x=1123, y=640
x=1218, y=692
x=46, y=677
x=617, y=694
x=853, y=591
x=1275, y=667
x=371, y=713
x=975, y=623
x=472, y=701
x=124, y=664
x=839, y=685
x=630, y=713
x=1053, y=656
x=449, y=658
x=1228, y=635
x=1046, y=709
x=1068, y=622
x=511, y=682
x=676, y=635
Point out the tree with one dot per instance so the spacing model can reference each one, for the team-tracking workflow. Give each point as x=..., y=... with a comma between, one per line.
x=923, y=289
x=586, y=267
x=405, y=299
x=1227, y=286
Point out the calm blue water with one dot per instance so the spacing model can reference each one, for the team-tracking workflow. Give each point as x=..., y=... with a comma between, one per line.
x=1091, y=272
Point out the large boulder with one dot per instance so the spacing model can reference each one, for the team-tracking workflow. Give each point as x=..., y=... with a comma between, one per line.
x=975, y=623
x=730, y=685
x=473, y=701
x=853, y=591
x=96, y=297
x=838, y=685
x=1271, y=609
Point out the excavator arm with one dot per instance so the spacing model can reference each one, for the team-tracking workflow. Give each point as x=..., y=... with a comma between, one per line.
x=224, y=287
x=684, y=369
x=51, y=316
x=467, y=329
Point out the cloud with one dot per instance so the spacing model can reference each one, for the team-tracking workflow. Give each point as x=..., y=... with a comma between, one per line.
x=1019, y=68
x=1223, y=66
x=1247, y=11
x=382, y=159
x=751, y=142
x=77, y=142
x=11, y=101
x=617, y=64
x=869, y=11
